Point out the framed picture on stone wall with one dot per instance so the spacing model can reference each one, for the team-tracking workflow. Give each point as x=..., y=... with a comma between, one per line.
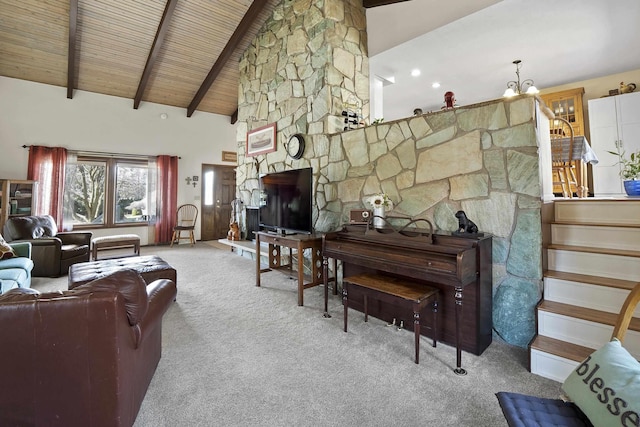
x=261, y=140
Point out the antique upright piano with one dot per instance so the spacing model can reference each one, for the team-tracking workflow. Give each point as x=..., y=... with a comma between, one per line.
x=459, y=265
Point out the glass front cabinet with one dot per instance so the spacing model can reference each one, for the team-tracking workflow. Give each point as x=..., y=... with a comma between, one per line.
x=568, y=105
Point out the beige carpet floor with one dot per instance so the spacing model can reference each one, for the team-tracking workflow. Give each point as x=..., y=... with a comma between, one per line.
x=238, y=355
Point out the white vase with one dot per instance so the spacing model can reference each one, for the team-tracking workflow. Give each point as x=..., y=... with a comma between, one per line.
x=378, y=212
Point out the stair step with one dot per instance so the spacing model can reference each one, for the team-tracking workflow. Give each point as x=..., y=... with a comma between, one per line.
x=618, y=212
x=555, y=359
x=596, y=236
x=583, y=313
x=584, y=326
x=594, y=280
x=595, y=292
x=559, y=348
x=615, y=263
x=596, y=250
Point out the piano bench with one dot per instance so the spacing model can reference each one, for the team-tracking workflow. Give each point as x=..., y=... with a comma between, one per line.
x=394, y=290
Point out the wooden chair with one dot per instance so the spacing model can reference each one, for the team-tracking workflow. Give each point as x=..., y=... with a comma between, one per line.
x=186, y=216
x=626, y=313
x=563, y=169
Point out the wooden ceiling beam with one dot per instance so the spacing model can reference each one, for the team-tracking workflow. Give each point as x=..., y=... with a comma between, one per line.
x=238, y=34
x=375, y=3
x=71, y=54
x=155, y=49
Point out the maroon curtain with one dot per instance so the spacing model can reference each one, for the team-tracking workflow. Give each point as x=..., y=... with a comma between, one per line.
x=167, y=197
x=47, y=166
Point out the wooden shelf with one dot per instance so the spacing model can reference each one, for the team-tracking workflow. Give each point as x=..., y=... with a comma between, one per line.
x=24, y=203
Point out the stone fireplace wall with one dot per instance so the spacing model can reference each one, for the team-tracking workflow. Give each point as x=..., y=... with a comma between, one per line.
x=308, y=62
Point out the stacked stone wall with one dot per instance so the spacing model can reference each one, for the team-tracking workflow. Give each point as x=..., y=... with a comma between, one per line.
x=308, y=61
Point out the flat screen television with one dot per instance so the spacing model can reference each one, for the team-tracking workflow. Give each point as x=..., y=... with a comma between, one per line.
x=285, y=201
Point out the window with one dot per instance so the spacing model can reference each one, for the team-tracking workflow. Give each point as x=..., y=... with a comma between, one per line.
x=107, y=192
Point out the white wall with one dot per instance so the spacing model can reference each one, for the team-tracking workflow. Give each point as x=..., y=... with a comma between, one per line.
x=38, y=114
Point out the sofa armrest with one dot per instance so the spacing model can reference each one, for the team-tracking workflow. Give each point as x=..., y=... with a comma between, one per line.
x=161, y=293
x=75, y=238
x=19, y=295
x=43, y=242
x=22, y=249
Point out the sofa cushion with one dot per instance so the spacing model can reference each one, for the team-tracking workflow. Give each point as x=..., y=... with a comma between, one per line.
x=606, y=386
x=6, y=251
x=31, y=227
x=521, y=410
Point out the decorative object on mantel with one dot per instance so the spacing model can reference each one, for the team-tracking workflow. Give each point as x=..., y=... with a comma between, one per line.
x=465, y=225
x=629, y=171
x=359, y=216
x=379, y=203
x=353, y=113
x=518, y=88
x=236, y=219
x=351, y=119
x=449, y=100
x=627, y=88
x=234, y=231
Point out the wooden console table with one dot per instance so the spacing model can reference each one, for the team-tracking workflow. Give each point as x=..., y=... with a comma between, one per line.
x=300, y=242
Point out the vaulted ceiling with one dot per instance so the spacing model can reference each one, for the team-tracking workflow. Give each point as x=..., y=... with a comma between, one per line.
x=183, y=53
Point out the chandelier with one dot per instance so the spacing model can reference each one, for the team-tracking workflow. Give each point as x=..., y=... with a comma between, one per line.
x=518, y=88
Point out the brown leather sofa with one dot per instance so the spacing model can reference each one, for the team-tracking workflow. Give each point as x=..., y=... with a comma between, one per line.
x=81, y=357
x=52, y=252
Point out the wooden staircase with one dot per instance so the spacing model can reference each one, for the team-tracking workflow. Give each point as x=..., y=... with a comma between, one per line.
x=593, y=262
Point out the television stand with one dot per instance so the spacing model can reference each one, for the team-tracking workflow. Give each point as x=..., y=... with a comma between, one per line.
x=299, y=242
x=284, y=233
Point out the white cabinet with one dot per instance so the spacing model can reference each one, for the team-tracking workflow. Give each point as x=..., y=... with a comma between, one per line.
x=613, y=122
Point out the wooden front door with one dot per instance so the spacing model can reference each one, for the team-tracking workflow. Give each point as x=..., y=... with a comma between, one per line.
x=218, y=191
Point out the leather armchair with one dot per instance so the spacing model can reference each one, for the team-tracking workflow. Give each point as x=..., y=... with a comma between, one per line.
x=52, y=252
x=84, y=356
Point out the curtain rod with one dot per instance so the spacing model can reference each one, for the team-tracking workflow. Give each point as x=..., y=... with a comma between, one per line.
x=103, y=153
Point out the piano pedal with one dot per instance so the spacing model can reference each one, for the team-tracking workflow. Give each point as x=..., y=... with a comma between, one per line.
x=401, y=325
x=393, y=323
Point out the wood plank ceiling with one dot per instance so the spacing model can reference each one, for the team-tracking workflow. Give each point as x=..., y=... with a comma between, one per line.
x=183, y=53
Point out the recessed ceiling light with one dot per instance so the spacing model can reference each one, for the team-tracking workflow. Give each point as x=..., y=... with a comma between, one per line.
x=435, y=85
x=415, y=72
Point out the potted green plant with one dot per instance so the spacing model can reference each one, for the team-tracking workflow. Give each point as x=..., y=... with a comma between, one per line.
x=629, y=171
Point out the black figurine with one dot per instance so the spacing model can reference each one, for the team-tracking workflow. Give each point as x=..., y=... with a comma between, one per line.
x=465, y=225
